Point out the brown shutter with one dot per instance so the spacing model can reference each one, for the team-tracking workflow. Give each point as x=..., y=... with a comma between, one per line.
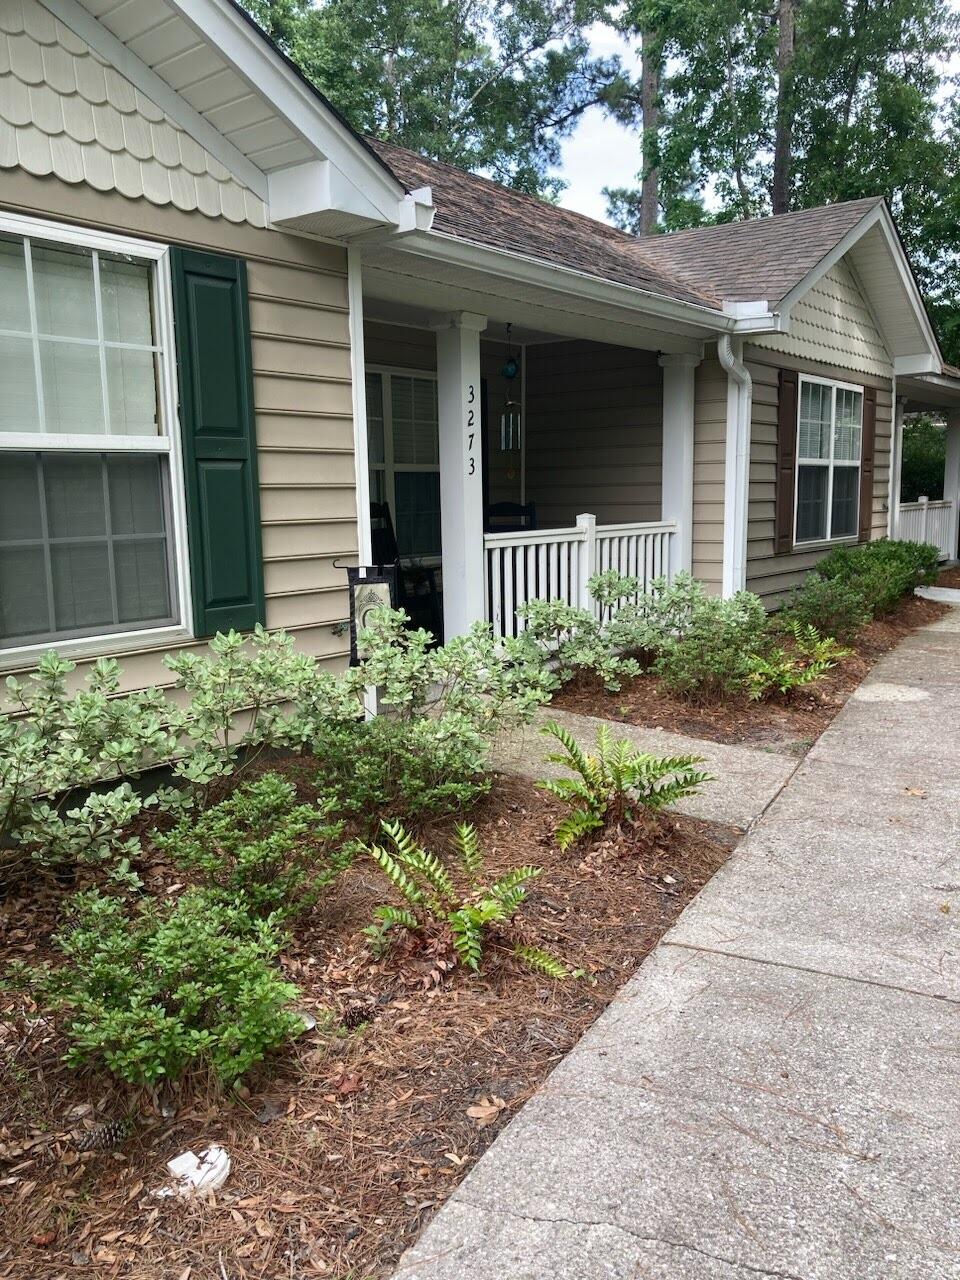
x=868, y=439
x=786, y=459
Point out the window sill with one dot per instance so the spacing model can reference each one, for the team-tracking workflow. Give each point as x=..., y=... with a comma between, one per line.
x=826, y=544
x=158, y=639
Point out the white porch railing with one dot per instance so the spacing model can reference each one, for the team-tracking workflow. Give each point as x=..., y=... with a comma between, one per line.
x=926, y=521
x=556, y=564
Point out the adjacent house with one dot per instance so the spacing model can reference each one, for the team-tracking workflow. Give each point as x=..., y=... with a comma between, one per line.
x=242, y=347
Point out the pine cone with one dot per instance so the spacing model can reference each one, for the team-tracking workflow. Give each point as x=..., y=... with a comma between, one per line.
x=105, y=1136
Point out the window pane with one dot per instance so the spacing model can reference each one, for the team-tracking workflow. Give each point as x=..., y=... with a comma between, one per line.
x=811, y=503
x=846, y=491
x=19, y=498
x=418, y=512
x=125, y=299
x=415, y=420
x=63, y=287
x=814, y=435
x=142, y=580
x=23, y=593
x=846, y=431
x=375, y=417
x=81, y=586
x=136, y=501
x=132, y=384
x=74, y=491
x=72, y=390
x=14, y=307
x=18, y=385
x=378, y=486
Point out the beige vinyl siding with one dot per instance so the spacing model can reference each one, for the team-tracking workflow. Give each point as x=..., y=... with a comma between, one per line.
x=833, y=324
x=302, y=395
x=594, y=427
x=769, y=575
x=396, y=346
x=709, y=439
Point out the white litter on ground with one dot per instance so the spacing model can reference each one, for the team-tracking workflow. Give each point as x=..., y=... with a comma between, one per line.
x=196, y=1175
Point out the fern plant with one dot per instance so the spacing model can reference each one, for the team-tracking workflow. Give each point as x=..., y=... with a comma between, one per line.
x=431, y=897
x=781, y=670
x=615, y=784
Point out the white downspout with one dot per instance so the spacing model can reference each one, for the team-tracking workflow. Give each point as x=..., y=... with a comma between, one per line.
x=736, y=485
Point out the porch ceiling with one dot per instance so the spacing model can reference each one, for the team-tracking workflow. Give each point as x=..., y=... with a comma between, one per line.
x=428, y=289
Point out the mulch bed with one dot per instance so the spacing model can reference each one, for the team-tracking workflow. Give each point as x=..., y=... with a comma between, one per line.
x=790, y=724
x=949, y=577
x=345, y=1146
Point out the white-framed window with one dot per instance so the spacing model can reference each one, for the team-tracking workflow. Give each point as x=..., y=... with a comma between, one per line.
x=403, y=436
x=829, y=442
x=92, y=531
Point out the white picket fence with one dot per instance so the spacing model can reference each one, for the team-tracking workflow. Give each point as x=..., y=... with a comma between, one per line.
x=926, y=521
x=556, y=564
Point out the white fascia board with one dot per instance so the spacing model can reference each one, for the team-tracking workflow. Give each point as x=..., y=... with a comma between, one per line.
x=83, y=24
x=516, y=266
x=877, y=216
x=251, y=56
x=904, y=366
x=314, y=187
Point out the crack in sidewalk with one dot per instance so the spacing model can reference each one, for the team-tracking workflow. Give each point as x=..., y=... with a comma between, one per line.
x=636, y=1235
x=803, y=968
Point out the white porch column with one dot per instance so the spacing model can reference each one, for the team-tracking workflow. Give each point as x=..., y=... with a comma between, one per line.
x=896, y=459
x=461, y=471
x=951, y=479
x=679, y=396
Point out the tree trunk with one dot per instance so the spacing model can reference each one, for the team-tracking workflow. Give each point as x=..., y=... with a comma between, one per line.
x=783, y=141
x=650, y=105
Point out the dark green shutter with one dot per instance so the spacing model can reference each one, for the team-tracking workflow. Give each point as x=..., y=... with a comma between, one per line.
x=219, y=440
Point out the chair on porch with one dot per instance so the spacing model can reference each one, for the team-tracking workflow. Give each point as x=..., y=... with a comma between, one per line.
x=511, y=517
x=417, y=587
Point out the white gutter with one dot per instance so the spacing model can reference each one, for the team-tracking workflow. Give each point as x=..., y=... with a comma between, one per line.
x=736, y=486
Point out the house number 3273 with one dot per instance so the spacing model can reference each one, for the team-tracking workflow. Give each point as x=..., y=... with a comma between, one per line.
x=471, y=429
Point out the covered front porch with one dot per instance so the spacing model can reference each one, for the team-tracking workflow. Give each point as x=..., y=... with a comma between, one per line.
x=932, y=518
x=508, y=462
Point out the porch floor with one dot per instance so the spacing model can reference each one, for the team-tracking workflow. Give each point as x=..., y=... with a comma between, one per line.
x=773, y=1093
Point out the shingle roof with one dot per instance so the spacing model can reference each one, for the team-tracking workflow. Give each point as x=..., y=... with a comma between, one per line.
x=484, y=212
x=737, y=261
x=763, y=258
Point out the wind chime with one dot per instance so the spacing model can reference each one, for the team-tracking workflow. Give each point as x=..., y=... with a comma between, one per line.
x=510, y=418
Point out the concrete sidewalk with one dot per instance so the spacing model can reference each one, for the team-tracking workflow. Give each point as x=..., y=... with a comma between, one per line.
x=777, y=1091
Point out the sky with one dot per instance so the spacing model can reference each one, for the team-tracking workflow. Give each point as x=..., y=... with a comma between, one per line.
x=600, y=153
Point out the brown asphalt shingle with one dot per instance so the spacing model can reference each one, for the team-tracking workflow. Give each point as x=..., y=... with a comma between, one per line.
x=737, y=261
x=476, y=209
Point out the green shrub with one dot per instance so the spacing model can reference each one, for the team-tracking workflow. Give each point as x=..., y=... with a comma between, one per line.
x=56, y=746
x=615, y=784
x=571, y=640
x=260, y=848
x=835, y=606
x=884, y=571
x=152, y=993
x=409, y=768
x=780, y=670
x=429, y=752
x=705, y=645
x=431, y=898
x=250, y=693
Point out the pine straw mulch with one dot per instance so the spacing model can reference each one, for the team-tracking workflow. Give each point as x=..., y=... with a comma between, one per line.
x=345, y=1146
x=791, y=724
x=949, y=577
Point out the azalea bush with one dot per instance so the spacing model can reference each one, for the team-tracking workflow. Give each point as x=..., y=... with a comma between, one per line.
x=570, y=640
x=153, y=991
x=261, y=849
x=883, y=571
